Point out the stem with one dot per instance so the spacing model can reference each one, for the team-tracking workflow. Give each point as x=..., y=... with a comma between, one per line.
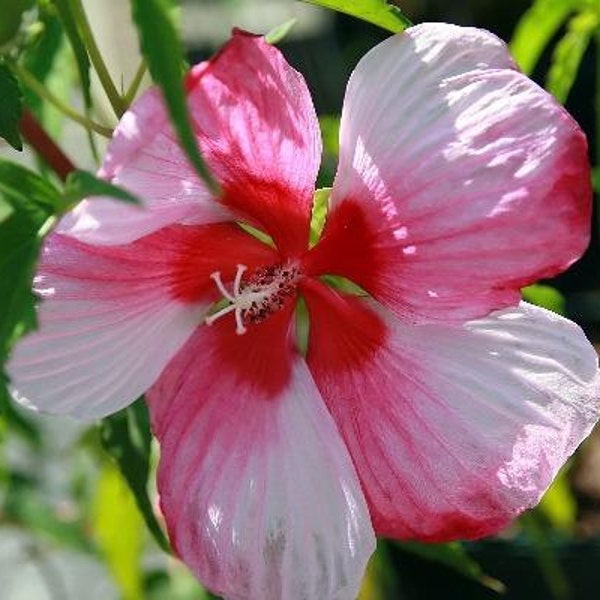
x=44, y=146
x=135, y=84
x=115, y=99
x=43, y=92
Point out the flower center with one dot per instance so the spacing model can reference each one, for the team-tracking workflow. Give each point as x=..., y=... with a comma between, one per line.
x=260, y=296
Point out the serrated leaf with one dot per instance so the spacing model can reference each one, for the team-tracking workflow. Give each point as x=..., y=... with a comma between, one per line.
x=536, y=28
x=378, y=12
x=24, y=189
x=33, y=202
x=119, y=531
x=162, y=50
x=11, y=107
x=81, y=56
x=279, y=33
x=568, y=54
x=126, y=437
x=82, y=184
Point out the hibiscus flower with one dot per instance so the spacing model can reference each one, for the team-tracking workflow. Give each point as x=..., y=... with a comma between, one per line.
x=436, y=406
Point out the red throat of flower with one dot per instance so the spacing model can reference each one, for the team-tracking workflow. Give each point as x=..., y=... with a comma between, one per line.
x=252, y=301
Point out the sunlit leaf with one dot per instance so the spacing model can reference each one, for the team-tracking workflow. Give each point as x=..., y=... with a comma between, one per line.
x=330, y=133
x=545, y=296
x=568, y=54
x=126, y=437
x=10, y=106
x=558, y=504
x=161, y=48
x=379, y=12
x=119, y=531
x=81, y=184
x=380, y=582
x=536, y=28
x=319, y=214
x=279, y=33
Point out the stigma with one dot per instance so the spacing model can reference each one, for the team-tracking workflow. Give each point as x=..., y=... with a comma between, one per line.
x=252, y=301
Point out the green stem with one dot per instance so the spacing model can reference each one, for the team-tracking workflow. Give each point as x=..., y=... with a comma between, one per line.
x=135, y=84
x=117, y=102
x=43, y=92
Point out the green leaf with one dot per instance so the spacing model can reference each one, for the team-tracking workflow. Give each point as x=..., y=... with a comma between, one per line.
x=454, y=556
x=119, y=531
x=24, y=189
x=81, y=56
x=378, y=12
x=126, y=437
x=319, y=214
x=81, y=184
x=536, y=28
x=545, y=296
x=558, y=504
x=33, y=202
x=49, y=59
x=278, y=33
x=5, y=210
x=330, y=132
x=39, y=55
x=568, y=54
x=549, y=563
x=11, y=107
x=161, y=48
x=380, y=581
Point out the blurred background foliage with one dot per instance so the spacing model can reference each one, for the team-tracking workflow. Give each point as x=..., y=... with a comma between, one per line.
x=78, y=510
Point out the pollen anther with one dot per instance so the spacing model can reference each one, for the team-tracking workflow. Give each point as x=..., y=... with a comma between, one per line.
x=263, y=294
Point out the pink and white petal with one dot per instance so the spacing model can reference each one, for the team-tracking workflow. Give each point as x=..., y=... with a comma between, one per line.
x=453, y=430
x=259, y=493
x=258, y=130
x=460, y=180
x=112, y=317
x=144, y=158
